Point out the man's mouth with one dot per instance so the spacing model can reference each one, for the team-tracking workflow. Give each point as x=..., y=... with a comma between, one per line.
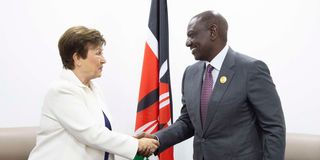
x=193, y=50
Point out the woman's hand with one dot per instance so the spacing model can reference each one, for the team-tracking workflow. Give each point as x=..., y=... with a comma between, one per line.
x=147, y=146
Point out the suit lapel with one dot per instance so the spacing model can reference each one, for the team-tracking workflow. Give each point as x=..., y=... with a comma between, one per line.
x=220, y=87
x=197, y=80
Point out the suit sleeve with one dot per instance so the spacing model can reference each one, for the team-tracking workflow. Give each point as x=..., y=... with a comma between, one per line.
x=66, y=105
x=180, y=130
x=267, y=107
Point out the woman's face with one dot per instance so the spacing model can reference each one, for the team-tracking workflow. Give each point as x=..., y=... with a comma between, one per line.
x=91, y=67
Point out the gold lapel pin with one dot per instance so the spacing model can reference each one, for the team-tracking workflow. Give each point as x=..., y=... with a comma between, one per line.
x=223, y=79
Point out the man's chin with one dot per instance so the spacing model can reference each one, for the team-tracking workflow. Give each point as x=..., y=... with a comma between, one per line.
x=196, y=57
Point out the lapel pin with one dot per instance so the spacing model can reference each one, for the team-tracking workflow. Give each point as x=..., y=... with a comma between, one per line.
x=223, y=79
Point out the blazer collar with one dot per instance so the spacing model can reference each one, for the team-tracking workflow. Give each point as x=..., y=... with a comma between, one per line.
x=68, y=75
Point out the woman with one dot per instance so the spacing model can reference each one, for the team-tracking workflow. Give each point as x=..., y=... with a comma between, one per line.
x=73, y=125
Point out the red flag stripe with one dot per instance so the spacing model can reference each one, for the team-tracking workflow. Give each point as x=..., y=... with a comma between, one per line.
x=147, y=115
x=149, y=76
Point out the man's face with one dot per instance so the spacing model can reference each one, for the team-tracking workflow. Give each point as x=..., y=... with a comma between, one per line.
x=199, y=40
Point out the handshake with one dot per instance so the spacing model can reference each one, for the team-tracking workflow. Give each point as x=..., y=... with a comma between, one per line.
x=147, y=144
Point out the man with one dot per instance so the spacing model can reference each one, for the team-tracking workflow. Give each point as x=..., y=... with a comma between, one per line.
x=230, y=104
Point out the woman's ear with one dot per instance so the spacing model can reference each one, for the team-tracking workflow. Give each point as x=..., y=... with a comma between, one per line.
x=76, y=59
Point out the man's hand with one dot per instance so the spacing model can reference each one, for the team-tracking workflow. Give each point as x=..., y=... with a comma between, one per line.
x=145, y=135
x=148, y=144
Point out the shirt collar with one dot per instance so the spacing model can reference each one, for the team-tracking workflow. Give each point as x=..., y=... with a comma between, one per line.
x=217, y=61
x=68, y=75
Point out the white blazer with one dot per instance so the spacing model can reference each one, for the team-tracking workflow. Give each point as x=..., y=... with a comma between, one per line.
x=72, y=125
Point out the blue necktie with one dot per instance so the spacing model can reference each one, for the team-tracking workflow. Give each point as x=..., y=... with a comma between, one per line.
x=108, y=125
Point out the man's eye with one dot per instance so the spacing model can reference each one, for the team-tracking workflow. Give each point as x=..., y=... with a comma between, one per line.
x=191, y=35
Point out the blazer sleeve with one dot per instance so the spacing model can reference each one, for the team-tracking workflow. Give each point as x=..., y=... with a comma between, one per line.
x=180, y=130
x=65, y=104
x=267, y=107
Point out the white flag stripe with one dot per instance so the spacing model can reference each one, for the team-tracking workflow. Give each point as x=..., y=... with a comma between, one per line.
x=152, y=128
x=163, y=96
x=163, y=69
x=142, y=128
x=164, y=103
x=152, y=157
x=152, y=42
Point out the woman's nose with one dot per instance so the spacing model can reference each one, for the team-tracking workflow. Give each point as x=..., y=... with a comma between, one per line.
x=102, y=60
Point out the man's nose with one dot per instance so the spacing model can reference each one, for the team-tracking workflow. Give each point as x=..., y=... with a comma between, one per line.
x=188, y=43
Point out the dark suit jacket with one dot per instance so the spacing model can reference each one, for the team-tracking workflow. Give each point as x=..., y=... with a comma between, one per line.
x=245, y=119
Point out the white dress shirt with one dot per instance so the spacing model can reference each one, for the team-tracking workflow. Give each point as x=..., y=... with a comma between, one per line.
x=72, y=125
x=216, y=62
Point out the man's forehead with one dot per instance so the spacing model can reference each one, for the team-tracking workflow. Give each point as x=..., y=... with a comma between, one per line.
x=193, y=22
x=194, y=19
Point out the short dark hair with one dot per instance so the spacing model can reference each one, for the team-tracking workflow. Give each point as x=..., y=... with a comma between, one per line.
x=76, y=40
x=212, y=17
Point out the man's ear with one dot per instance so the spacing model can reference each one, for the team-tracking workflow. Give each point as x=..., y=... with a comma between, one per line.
x=76, y=59
x=213, y=31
